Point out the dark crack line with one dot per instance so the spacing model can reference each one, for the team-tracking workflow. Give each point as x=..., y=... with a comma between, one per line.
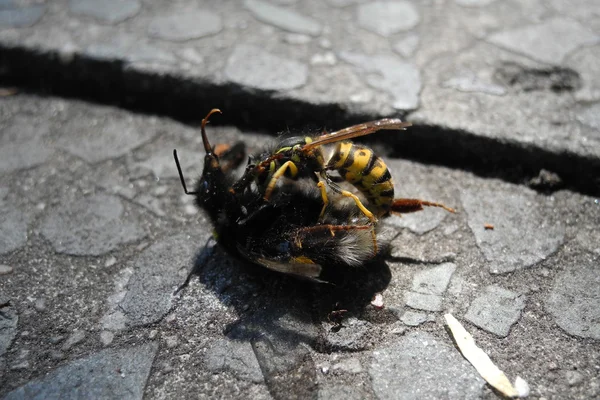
x=111, y=82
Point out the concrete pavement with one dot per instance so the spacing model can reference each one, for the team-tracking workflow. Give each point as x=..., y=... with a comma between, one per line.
x=95, y=233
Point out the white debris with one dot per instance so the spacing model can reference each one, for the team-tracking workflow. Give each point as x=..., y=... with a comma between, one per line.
x=377, y=300
x=481, y=361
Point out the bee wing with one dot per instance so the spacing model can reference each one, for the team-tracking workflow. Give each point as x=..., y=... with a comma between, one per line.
x=357, y=130
x=304, y=270
x=300, y=267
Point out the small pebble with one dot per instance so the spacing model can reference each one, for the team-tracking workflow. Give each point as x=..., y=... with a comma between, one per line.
x=160, y=190
x=57, y=355
x=166, y=368
x=172, y=341
x=190, y=209
x=21, y=365
x=40, y=304
x=377, y=301
x=574, y=378
x=522, y=387
x=56, y=339
x=75, y=338
x=110, y=262
x=106, y=337
x=5, y=269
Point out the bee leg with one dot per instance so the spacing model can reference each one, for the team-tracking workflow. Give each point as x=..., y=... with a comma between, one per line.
x=333, y=228
x=278, y=174
x=321, y=186
x=404, y=206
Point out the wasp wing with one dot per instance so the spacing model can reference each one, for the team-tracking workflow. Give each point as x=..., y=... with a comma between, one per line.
x=358, y=130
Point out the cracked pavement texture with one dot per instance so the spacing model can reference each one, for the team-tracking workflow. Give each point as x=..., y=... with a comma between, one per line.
x=96, y=234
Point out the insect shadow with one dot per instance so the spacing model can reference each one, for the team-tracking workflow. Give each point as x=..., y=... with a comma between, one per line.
x=263, y=298
x=281, y=316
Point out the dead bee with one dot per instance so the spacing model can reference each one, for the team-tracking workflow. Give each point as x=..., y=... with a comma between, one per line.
x=303, y=157
x=291, y=233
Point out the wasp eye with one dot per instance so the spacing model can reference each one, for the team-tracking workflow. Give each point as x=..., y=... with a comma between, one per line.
x=283, y=247
x=204, y=186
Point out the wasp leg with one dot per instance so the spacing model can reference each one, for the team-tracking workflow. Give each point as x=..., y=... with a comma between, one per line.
x=404, y=206
x=181, y=178
x=321, y=186
x=278, y=174
x=346, y=193
x=359, y=204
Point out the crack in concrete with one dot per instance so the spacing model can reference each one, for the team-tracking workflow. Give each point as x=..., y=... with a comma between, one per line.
x=44, y=73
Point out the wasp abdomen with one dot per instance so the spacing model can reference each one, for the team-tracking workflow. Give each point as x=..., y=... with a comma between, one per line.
x=360, y=166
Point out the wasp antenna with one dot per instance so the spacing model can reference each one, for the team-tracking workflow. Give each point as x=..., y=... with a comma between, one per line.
x=207, y=147
x=181, y=178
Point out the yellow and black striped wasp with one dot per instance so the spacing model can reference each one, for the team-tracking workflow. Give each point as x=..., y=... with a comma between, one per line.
x=303, y=157
x=290, y=233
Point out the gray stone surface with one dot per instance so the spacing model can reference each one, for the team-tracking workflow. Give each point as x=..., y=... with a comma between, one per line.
x=354, y=335
x=117, y=373
x=283, y=18
x=386, y=17
x=236, y=357
x=549, y=41
x=75, y=338
x=419, y=366
x=413, y=318
x=254, y=67
x=433, y=280
x=93, y=225
x=21, y=17
x=423, y=301
x=13, y=228
x=23, y=144
x=400, y=79
x=407, y=46
x=474, y=3
x=131, y=49
x=342, y=392
x=6, y=269
x=496, y=310
x=106, y=11
x=590, y=116
x=350, y=365
x=574, y=300
x=428, y=286
x=185, y=24
x=8, y=327
x=508, y=89
x=158, y=271
x=523, y=233
x=102, y=136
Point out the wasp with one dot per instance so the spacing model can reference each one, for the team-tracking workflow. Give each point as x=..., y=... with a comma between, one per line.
x=290, y=233
x=303, y=157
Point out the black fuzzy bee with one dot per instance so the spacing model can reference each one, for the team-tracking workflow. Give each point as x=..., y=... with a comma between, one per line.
x=291, y=232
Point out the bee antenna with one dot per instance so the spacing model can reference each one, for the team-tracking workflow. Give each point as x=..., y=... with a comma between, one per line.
x=205, y=141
